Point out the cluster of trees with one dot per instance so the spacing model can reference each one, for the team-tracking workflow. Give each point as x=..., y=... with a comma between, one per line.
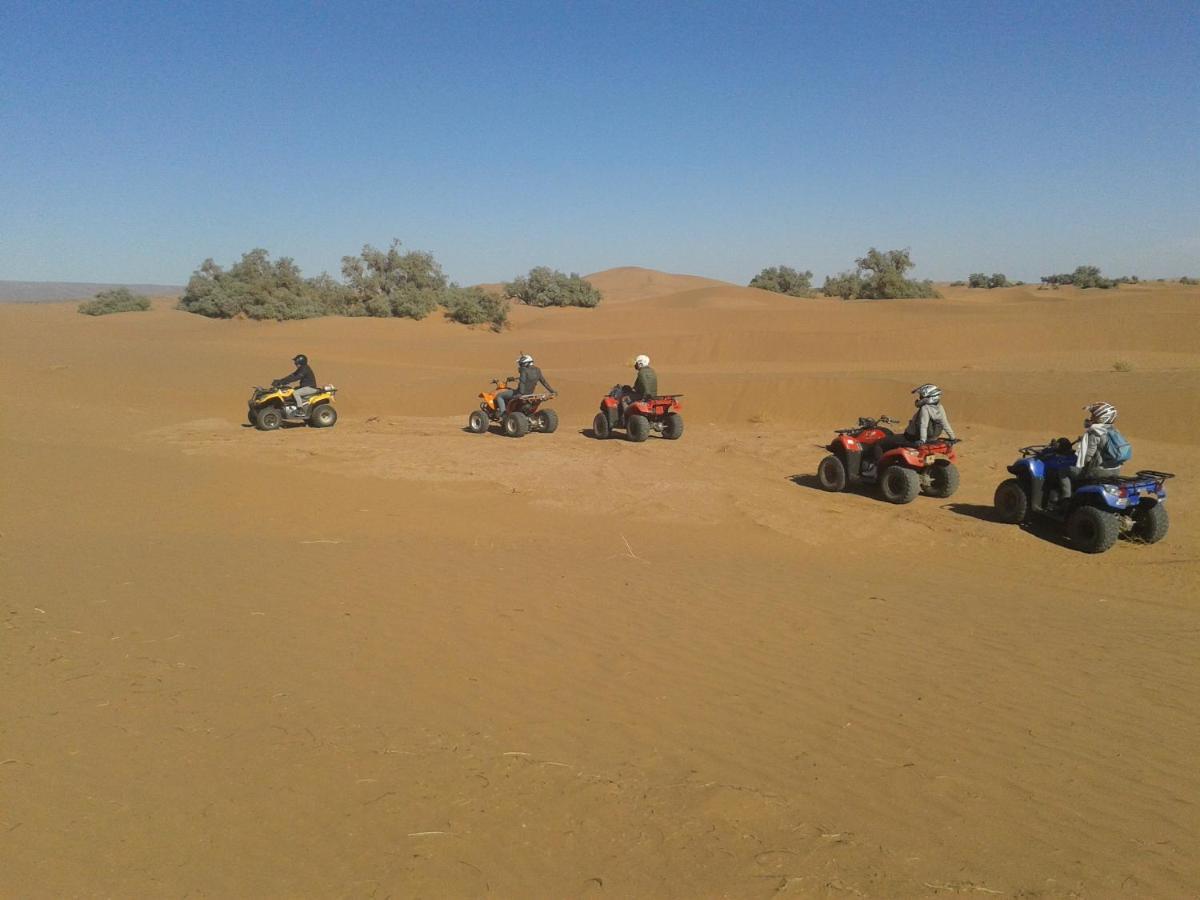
x=879, y=276
x=995, y=280
x=117, y=300
x=1188, y=280
x=784, y=280
x=384, y=283
x=876, y=276
x=1086, y=277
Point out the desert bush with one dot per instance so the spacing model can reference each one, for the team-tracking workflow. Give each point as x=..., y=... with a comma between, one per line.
x=474, y=306
x=958, y=284
x=997, y=280
x=879, y=276
x=117, y=300
x=544, y=286
x=390, y=283
x=1187, y=280
x=784, y=280
x=977, y=280
x=1122, y=366
x=1082, y=277
x=257, y=288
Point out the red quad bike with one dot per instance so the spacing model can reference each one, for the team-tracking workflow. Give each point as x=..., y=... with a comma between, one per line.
x=901, y=474
x=659, y=413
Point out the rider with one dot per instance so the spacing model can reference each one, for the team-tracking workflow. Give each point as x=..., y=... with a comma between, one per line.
x=644, y=387
x=927, y=423
x=528, y=378
x=304, y=375
x=1089, y=454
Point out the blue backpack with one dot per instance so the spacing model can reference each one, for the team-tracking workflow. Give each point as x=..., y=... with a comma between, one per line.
x=1115, y=450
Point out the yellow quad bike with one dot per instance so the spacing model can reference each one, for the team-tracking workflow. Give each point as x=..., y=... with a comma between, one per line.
x=523, y=414
x=271, y=407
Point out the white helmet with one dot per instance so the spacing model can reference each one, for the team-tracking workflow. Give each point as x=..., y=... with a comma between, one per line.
x=524, y=360
x=1101, y=413
x=928, y=394
x=641, y=362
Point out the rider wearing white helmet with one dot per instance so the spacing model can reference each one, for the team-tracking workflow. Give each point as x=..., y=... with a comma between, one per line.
x=528, y=378
x=646, y=384
x=1089, y=454
x=927, y=423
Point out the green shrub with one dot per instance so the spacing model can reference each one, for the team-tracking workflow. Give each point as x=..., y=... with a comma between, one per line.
x=879, y=276
x=998, y=280
x=1082, y=277
x=117, y=300
x=474, y=306
x=958, y=284
x=1187, y=280
x=258, y=288
x=977, y=280
x=391, y=283
x=784, y=280
x=544, y=286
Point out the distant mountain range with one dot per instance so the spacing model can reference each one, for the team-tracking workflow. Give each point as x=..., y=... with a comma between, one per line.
x=50, y=291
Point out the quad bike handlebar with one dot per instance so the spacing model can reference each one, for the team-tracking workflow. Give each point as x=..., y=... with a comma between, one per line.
x=864, y=422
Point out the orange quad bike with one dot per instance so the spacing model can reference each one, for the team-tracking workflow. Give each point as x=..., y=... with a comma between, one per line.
x=903, y=472
x=524, y=412
x=659, y=413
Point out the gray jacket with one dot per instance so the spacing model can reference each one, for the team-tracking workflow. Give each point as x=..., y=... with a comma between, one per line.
x=928, y=422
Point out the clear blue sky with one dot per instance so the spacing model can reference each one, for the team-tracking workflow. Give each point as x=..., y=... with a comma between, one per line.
x=136, y=139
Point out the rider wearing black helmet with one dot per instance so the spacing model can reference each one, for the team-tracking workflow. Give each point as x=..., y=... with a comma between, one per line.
x=306, y=380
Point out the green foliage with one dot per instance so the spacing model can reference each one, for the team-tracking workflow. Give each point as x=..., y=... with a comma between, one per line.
x=474, y=306
x=998, y=280
x=995, y=280
x=544, y=286
x=1187, y=280
x=258, y=288
x=879, y=276
x=1082, y=277
x=117, y=300
x=977, y=280
x=391, y=283
x=784, y=280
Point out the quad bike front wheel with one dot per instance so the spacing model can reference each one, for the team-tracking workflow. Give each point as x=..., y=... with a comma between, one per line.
x=268, y=418
x=943, y=481
x=600, y=426
x=515, y=424
x=672, y=428
x=547, y=421
x=1150, y=524
x=1092, y=530
x=324, y=416
x=899, y=485
x=638, y=428
x=1011, y=502
x=478, y=421
x=831, y=474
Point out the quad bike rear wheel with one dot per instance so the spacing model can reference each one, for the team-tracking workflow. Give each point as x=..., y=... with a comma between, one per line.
x=600, y=426
x=547, y=421
x=478, y=422
x=899, y=485
x=1092, y=530
x=515, y=424
x=638, y=427
x=831, y=474
x=1150, y=523
x=268, y=418
x=672, y=428
x=1011, y=502
x=323, y=416
x=943, y=481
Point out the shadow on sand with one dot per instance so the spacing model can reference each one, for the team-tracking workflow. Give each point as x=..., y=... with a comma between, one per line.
x=1042, y=529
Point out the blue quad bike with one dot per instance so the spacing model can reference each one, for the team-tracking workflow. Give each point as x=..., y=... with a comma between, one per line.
x=1099, y=510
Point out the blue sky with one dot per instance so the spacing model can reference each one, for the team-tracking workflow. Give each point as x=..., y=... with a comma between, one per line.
x=709, y=138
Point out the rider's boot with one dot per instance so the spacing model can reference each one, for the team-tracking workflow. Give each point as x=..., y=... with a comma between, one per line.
x=1036, y=500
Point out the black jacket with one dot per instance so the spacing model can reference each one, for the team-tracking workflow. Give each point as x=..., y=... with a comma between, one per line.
x=528, y=380
x=303, y=374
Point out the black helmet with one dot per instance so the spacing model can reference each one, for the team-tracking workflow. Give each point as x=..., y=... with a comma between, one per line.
x=300, y=359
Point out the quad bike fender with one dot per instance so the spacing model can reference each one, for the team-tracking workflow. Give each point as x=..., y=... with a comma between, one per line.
x=1104, y=496
x=1028, y=468
x=908, y=456
x=845, y=443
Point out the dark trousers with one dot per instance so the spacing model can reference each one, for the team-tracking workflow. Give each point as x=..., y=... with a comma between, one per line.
x=891, y=442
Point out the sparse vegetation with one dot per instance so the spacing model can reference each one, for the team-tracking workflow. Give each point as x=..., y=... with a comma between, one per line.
x=118, y=300
x=784, y=280
x=257, y=288
x=544, y=286
x=1082, y=277
x=879, y=276
x=475, y=306
x=390, y=283
x=1122, y=366
x=1187, y=280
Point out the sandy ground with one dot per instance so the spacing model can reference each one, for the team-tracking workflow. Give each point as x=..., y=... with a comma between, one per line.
x=396, y=659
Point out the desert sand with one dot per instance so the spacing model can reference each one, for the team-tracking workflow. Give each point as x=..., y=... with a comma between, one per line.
x=393, y=658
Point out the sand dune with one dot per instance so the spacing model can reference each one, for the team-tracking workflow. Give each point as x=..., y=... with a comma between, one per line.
x=395, y=658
